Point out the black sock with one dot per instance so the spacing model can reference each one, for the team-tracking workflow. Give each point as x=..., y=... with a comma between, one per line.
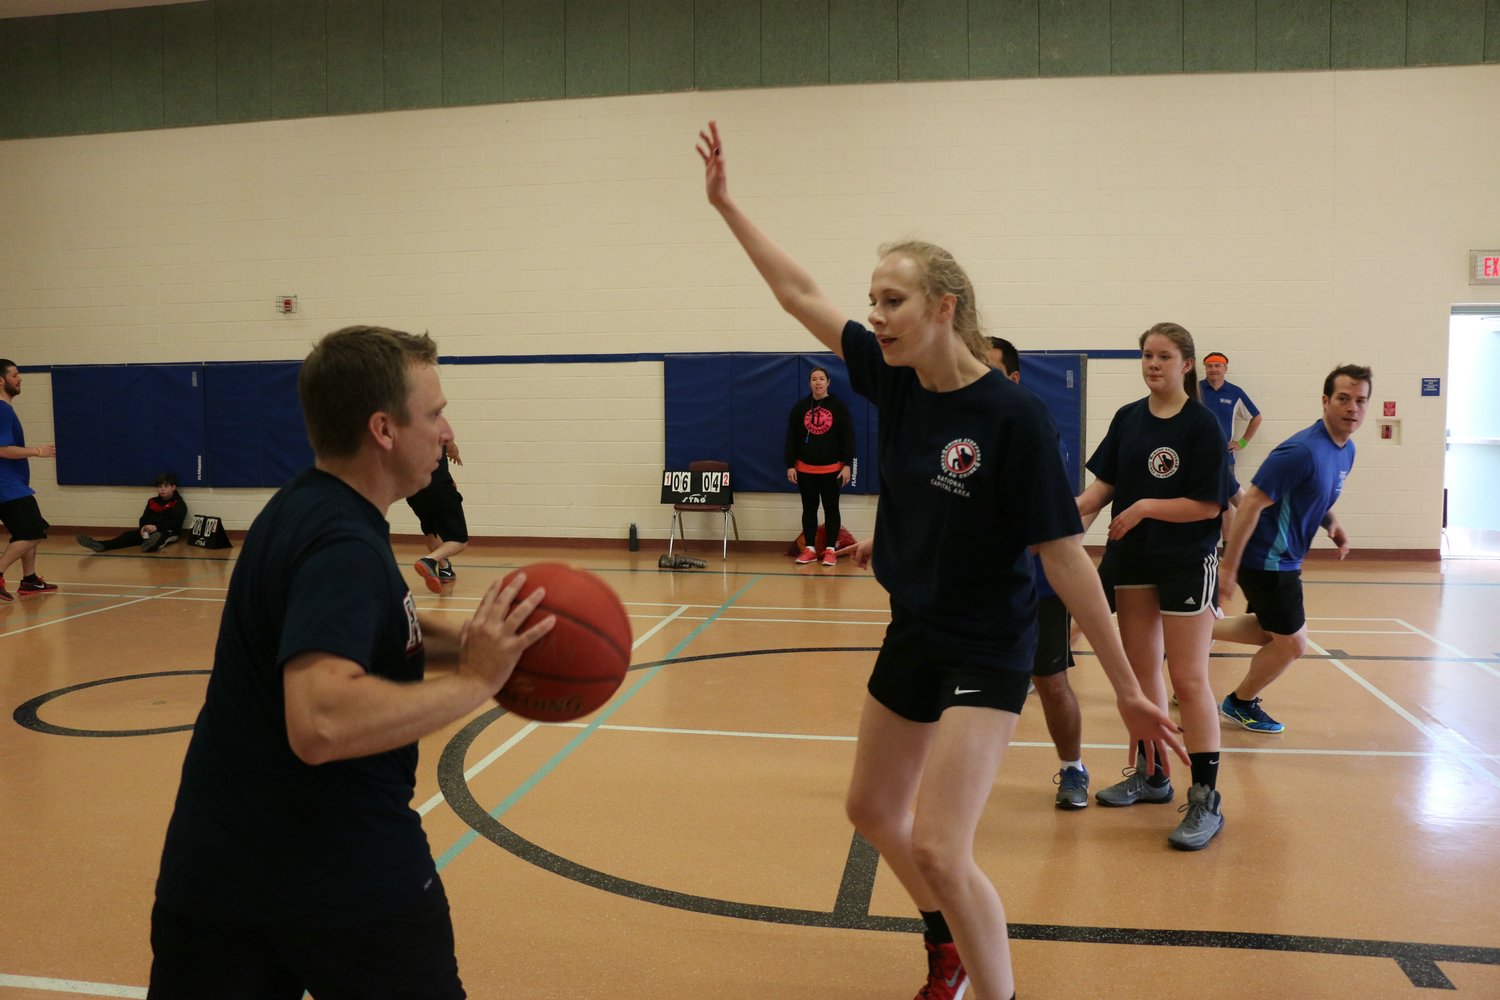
x=1157, y=777
x=937, y=931
x=1205, y=768
x=30, y=578
x=1237, y=700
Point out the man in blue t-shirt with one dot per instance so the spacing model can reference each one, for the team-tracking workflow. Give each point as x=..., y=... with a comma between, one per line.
x=293, y=859
x=1291, y=496
x=18, y=507
x=1233, y=408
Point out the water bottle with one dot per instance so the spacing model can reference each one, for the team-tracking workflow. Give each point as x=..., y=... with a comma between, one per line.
x=635, y=539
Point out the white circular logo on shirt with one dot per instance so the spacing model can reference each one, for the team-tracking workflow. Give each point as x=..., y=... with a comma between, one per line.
x=961, y=458
x=1163, y=463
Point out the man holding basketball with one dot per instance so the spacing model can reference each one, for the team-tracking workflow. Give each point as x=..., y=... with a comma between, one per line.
x=293, y=860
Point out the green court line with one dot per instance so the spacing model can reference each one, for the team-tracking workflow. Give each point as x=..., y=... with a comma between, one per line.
x=526, y=786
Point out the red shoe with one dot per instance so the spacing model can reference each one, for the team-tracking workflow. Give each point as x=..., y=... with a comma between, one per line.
x=35, y=585
x=428, y=570
x=830, y=558
x=946, y=978
x=807, y=556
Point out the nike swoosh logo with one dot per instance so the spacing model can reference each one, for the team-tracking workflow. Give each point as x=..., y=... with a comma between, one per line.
x=958, y=691
x=952, y=980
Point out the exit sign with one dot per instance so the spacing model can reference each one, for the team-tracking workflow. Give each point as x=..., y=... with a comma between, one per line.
x=1484, y=267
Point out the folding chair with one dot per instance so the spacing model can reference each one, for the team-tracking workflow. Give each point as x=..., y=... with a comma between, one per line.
x=726, y=509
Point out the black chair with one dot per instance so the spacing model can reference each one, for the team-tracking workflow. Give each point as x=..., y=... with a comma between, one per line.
x=724, y=509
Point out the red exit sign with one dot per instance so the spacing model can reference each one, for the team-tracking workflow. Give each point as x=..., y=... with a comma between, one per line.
x=1484, y=267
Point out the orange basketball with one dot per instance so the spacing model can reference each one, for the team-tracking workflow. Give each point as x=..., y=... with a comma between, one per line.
x=577, y=666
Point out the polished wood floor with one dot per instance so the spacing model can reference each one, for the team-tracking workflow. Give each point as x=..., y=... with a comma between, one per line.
x=688, y=841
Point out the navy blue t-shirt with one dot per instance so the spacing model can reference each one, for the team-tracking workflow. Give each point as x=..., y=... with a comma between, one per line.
x=968, y=480
x=257, y=835
x=1304, y=475
x=1145, y=457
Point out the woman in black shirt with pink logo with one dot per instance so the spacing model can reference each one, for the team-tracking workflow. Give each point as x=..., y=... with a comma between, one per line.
x=819, y=458
x=970, y=479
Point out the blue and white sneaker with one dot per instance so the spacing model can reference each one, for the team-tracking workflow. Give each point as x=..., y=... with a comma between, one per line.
x=1249, y=714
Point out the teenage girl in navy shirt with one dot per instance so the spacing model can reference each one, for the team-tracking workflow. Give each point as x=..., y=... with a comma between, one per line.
x=969, y=479
x=1162, y=464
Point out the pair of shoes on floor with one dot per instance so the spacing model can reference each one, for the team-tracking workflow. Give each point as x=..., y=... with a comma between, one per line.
x=1203, y=818
x=33, y=585
x=1249, y=714
x=92, y=544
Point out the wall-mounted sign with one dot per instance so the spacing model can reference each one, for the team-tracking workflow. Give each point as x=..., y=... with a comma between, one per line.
x=1432, y=387
x=1484, y=267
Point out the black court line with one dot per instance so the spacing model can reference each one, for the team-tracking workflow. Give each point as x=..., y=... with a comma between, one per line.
x=850, y=910
x=26, y=714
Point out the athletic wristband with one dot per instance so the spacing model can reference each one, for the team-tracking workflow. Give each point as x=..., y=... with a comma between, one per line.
x=1244, y=443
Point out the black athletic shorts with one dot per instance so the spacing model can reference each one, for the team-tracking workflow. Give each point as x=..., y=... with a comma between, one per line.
x=918, y=681
x=23, y=519
x=407, y=955
x=440, y=508
x=1275, y=598
x=1182, y=588
x=1053, y=628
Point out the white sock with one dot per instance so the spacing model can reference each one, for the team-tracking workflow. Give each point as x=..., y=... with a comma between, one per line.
x=1074, y=763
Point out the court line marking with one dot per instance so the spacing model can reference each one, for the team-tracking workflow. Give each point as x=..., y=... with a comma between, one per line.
x=75, y=986
x=1448, y=645
x=619, y=702
x=1416, y=723
x=84, y=614
x=532, y=727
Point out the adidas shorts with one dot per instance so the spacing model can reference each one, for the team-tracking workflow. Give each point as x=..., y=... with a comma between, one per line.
x=1275, y=598
x=919, y=681
x=1182, y=588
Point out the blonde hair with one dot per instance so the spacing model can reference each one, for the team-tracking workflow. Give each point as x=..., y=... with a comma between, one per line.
x=1183, y=341
x=941, y=275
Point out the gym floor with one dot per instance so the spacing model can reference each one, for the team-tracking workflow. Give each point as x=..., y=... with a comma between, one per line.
x=689, y=840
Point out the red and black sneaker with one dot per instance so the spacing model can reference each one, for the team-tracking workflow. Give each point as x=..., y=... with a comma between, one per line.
x=34, y=585
x=5, y=595
x=946, y=978
x=427, y=569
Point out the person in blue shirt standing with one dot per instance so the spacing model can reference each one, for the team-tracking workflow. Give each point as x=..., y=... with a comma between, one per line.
x=970, y=479
x=18, y=507
x=1232, y=407
x=1291, y=496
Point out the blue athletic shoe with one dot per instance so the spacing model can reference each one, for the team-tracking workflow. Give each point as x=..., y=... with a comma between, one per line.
x=1249, y=714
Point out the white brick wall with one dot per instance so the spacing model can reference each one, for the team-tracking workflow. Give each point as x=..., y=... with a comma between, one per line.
x=1295, y=221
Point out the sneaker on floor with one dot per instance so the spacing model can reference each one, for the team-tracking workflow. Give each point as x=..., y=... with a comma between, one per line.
x=427, y=569
x=1202, y=822
x=830, y=557
x=445, y=572
x=1072, y=788
x=1134, y=789
x=1248, y=714
x=946, y=978
x=153, y=542
x=5, y=595
x=92, y=544
x=807, y=556
x=35, y=585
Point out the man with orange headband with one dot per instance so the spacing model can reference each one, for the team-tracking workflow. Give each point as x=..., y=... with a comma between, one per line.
x=1234, y=408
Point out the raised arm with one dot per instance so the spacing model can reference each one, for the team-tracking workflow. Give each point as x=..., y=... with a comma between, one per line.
x=794, y=288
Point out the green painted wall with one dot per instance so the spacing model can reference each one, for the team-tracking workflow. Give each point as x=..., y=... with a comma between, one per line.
x=249, y=60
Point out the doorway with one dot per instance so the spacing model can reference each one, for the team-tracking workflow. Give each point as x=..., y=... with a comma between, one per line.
x=1471, y=467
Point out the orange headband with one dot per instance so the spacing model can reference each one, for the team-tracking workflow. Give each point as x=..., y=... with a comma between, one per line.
x=1216, y=356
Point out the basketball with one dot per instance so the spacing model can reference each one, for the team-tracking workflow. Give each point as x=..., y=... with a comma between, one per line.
x=577, y=666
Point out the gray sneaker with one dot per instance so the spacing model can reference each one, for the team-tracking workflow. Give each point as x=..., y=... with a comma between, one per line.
x=1072, y=788
x=1202, y=822
x=1133, y=789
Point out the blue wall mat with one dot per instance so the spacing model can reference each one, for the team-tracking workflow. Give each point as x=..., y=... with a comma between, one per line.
x=1060, y=380
x=253, y=422
x=734, y=407
x=121, y=425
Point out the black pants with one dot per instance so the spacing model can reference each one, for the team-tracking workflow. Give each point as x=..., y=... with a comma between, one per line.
x=815, y=486
x=126, y=539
